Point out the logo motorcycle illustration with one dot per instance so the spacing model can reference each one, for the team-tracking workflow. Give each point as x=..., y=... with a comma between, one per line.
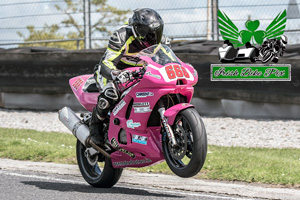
x=238, y=38
x=272, y=40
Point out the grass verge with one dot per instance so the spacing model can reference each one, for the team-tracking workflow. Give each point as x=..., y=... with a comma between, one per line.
x=23, y=144
x=272, y=166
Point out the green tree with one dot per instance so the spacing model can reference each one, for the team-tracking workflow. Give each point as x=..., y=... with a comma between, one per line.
x=50, y=33
x=106, y=15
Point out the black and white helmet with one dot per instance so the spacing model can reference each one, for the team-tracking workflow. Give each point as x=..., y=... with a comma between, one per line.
x=147, y=26
x=283, y=40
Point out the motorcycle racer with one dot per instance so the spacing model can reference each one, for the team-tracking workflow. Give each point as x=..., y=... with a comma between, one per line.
x=144, y=28
x=277, y=46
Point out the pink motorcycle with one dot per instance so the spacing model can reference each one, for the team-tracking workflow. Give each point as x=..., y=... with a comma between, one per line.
x=152, y=122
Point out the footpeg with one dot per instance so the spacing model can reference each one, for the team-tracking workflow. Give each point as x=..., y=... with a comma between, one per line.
x=107, y=147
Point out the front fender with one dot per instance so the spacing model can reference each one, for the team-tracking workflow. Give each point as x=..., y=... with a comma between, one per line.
x=171, y=112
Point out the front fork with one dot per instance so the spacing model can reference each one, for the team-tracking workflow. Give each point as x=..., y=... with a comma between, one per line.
x=167, y=127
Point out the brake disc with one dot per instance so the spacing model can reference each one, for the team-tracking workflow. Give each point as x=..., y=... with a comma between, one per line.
x=179, y=151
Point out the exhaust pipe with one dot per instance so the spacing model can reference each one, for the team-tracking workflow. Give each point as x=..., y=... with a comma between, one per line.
x=74, y=124
x=79, y=130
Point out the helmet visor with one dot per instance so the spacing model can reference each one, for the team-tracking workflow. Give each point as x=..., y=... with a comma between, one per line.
x=152, y=37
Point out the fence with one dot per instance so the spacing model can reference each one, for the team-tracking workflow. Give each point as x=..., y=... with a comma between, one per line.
x=79, y=24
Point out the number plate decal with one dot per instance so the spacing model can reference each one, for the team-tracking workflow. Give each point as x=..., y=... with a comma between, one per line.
x=174, y=72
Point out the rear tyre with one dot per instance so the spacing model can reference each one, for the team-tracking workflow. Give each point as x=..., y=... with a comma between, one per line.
x=188, y=157
x=96, y=176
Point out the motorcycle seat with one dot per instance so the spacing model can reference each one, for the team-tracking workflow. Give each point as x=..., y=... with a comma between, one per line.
x=92, y=88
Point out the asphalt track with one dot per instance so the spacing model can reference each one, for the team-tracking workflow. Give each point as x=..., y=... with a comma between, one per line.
x=35, y=180
x=36, y=186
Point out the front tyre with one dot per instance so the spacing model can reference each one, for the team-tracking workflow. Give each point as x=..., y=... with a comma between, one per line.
x=188, y=157
x=104, y=177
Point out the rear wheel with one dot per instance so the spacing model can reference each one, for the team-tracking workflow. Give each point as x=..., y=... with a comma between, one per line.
x=187, y=158
x=99, y=174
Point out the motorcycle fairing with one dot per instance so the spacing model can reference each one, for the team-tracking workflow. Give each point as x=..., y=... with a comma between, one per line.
x=172, y=112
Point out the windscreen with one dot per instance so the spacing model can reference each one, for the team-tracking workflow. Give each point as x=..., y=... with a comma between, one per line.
x=160, y=54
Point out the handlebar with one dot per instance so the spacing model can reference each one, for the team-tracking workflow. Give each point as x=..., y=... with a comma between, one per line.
x=135, y=76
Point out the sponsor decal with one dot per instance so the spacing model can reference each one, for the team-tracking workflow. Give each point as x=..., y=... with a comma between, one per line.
x=132, y=162
x=153, y=75
x=118, y=107
x=77, y=84
x=139, y=139
x=66, y=119
x=141, y=107
x=131, y=124
x=115, y=144
x=143, y=94
x=141, y=104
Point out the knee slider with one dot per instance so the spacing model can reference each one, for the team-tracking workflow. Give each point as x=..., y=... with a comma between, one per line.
x=111, y=93
x=103, y=103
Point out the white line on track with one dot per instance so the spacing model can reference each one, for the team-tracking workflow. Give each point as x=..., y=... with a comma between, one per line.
x=163, y=190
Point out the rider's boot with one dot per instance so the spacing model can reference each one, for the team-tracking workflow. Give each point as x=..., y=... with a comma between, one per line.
x=96, y=128
x=105, y=100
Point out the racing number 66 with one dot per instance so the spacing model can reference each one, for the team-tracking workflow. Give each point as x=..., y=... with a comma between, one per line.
x=176, y=71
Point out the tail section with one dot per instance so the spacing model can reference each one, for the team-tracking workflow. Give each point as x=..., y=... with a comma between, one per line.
x=85, y=90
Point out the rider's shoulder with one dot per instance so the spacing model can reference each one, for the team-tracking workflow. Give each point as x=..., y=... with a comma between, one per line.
x=120, y=36
x=165, y=40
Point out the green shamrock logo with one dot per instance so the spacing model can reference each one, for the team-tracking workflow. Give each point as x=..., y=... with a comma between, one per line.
x=247, y=35
x=238, y=38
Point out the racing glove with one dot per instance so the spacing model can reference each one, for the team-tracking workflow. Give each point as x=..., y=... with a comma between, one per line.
x=122, y=76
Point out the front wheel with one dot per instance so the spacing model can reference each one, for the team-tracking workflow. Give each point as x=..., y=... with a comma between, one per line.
x=186, y=158
x=99, y=174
